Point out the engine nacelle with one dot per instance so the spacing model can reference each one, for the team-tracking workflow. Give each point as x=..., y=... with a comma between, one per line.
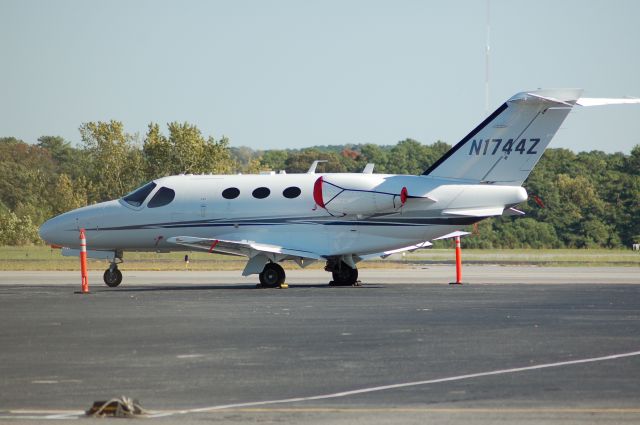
x=339, y=200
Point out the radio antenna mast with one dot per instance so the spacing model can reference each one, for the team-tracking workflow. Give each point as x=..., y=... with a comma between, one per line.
x=486, y=61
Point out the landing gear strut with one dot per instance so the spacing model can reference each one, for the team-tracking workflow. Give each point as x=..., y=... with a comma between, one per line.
x=272, y=275
x=342, y=274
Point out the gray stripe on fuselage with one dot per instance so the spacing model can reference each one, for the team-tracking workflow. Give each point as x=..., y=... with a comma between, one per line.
x=329, y=221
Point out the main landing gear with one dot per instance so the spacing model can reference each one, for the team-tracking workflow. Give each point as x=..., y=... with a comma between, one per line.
x=272, y=275
x=342, y=274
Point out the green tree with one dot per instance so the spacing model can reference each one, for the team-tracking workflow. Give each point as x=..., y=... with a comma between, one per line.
x=275, y=159
x=115, y=163
x=524, y=232
x=16, y=230
x=27, y=173
x=407, y=157
x=184, y=151
x=244, y=157
x=68, y=194
x=69, y=160
x=217, y=159
x=299, y=162
x=632, y=164
x=412, y=157
x=157, y=153
x=376, y=155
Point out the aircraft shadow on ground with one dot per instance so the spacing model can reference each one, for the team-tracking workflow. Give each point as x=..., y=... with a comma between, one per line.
x=228, y=287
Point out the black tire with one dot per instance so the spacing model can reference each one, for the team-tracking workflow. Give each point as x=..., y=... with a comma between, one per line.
x=344, y=276
x=272, y=275
x=112, y=278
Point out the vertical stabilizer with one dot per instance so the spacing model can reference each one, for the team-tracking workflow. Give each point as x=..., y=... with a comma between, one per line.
x=506, y=146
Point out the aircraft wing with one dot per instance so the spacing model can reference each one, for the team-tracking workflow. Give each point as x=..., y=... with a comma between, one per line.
x=244, y=247
x=412, y=248
x=474, y=212
x=452, y=235
x=258, y=253
x=385, y=254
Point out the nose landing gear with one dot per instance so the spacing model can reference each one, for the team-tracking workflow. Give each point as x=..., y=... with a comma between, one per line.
x=112, y=276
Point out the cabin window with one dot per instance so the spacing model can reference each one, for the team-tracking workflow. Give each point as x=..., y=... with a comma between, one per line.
x=162, y=197
x=137, y=197
x=231, y=193
x=261, y=192
x=291, y=192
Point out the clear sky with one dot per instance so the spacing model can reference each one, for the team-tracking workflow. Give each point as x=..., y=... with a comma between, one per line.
x=290, y=74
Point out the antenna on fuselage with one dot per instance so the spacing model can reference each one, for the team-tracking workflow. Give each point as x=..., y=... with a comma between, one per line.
x=314, y=164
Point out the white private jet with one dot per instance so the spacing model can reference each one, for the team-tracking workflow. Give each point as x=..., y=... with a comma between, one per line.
x=338, y=218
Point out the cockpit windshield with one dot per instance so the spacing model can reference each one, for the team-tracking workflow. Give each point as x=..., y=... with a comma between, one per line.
x=163, y=196
x=137, y=197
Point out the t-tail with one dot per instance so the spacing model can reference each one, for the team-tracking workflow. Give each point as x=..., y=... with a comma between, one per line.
x=506, y=146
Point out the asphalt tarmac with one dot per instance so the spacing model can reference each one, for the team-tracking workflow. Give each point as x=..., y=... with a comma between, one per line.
x=515, y=345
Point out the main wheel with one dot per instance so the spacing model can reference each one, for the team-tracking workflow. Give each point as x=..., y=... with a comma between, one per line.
x=344, y=275
x=272, y=275
x=113, y=277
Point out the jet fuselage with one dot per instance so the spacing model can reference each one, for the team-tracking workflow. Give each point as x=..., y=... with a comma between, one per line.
x=280, y=209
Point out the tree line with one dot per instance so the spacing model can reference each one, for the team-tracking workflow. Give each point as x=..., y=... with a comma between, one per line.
x=577, y=200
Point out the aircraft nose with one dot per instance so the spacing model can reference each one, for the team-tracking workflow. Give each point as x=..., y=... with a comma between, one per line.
x=59, y=230
x=63, y=229
x=45, y=231
x=49, y=231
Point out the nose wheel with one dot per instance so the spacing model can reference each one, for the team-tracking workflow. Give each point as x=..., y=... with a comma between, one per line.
x=112, y=276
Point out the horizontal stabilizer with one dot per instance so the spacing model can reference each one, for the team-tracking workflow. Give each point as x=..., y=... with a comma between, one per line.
x=474, y=212
x=596, y=101
x=547, y=99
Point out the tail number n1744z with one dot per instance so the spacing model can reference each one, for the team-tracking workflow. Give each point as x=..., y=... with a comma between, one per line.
x=495, y=146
